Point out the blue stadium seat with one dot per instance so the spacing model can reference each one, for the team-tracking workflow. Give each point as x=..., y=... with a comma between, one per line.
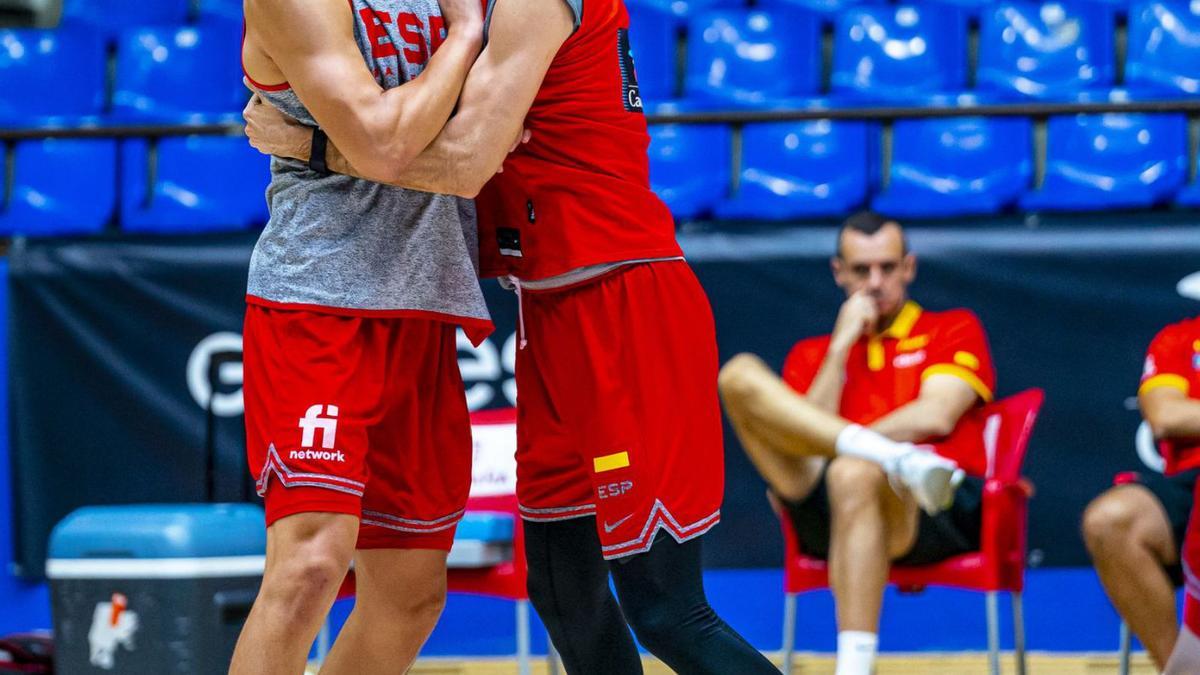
x=1190, y=195
x=110, y=17
x=971, y=9
x=1096, y=162
x=229, y=10
x=51, y=78
x=827, y=8
x=1115, y=7
x=752, y=57
x=201, y=183
x=61, y=186
x=689, y=166
x=898, y=54
x=800, y=169
x=179, y=75
x=652, y=37
x=957, y=166
x=1050, y=50
x=682, y=9
x=1164, y=47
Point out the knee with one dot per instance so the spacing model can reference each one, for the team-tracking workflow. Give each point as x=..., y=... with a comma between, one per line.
x=418, y=605
x=654, y=623
x=1108, y=522
x=737, y=379
x=304, y=582
x=854, y=483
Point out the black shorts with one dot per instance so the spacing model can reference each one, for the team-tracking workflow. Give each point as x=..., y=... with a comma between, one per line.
x=1175, y=493
x=949, y=533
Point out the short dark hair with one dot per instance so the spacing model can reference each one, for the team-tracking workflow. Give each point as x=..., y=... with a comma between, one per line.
x=869, y=222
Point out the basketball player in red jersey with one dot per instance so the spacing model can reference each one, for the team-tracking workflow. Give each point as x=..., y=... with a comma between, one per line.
x=357, y=426
x=620, y=459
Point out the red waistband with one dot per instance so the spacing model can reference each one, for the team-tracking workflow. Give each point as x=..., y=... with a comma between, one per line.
x=476, y=329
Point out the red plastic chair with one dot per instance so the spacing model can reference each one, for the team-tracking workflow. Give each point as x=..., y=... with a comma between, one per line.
x=999, y=565
x=505, y=579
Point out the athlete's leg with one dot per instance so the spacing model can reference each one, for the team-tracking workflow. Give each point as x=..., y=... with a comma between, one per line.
x=400, y=595
x=307, y=558
x=567, y=576
x=790, y=477
x=870, y=526
x=762, y=403
x=420, y=478
x=662, y=595
x=293, y=392
x=568, y=586
x=621, y=373
x=765, y=408
x=1131, y=543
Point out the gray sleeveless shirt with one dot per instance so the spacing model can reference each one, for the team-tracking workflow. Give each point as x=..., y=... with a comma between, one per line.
x=353, y=246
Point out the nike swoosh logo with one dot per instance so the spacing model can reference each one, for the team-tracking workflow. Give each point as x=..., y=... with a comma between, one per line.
x=609, y=528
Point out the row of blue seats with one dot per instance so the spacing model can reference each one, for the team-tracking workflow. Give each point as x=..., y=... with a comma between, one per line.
x=768, y=57
x=111, y=17
x=908, y=53
x=108, y=18
x=938, y=167
x=163, y=75
x=197, y=183
x=964, y=9
x=788, y=170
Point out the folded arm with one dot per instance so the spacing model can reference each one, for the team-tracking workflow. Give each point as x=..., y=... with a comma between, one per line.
x=491, y=112
x=380, y=131
x=943, y=400
x=1171, y=413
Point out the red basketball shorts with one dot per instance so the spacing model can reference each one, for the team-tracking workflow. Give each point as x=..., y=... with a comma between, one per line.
x=617, y=412
x=364, y=416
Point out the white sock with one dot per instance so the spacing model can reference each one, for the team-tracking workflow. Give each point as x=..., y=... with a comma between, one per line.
x=856, y=652
x=859, y=441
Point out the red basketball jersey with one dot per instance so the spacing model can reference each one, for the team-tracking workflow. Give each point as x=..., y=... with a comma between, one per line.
x=579, y=192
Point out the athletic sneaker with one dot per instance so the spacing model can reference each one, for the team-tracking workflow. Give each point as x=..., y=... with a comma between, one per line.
x=931, y=478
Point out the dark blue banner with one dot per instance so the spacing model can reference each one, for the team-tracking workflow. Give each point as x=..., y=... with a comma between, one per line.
x=126, y=360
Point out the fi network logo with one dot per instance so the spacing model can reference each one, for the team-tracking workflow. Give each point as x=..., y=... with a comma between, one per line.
x=314, y=421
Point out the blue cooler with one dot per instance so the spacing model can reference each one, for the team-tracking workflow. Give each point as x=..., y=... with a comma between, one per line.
x=153, y=588
x=483, y=539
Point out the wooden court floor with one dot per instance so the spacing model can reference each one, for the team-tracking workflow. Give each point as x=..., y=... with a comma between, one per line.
x=958, y=663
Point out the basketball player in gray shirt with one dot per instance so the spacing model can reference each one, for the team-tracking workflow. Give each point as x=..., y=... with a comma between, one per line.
x=357, y=427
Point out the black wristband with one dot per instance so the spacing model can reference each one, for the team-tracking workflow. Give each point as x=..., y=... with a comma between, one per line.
x=316, y=157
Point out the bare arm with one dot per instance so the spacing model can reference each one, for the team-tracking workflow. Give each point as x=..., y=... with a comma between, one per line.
x=826, y=389
x=857, y=315
x=943, y=400
x=380, y=131
x=498, y=92
x=1171, y=413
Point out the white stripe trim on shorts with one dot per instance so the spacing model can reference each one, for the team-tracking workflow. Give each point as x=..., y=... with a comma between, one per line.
x=409, y=524
x=660, y=518
x=553, y=514
x=275, y=464
x=1191, y=583
x=405, y=528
